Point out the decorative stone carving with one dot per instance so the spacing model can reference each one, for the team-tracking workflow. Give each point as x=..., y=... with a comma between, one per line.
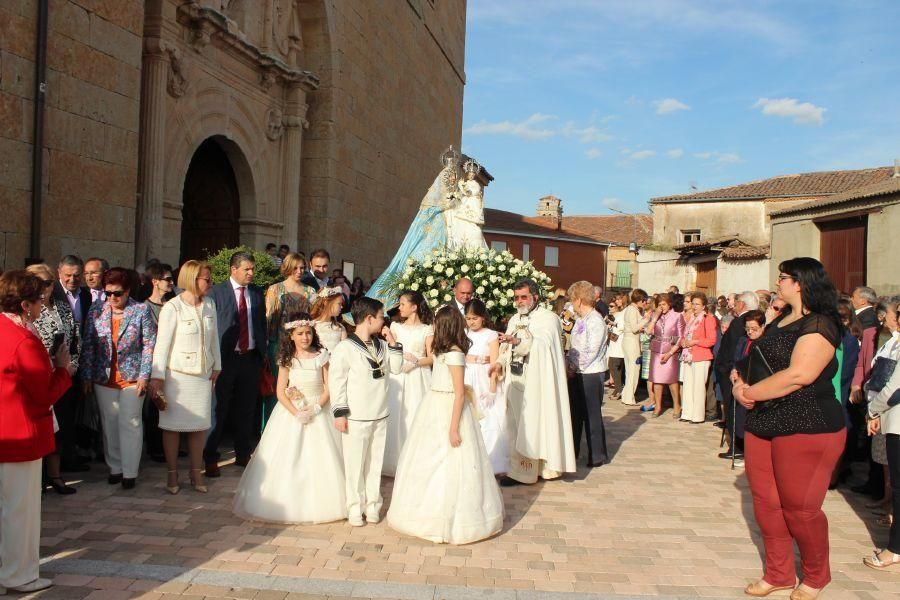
x=287, y=31
x=208, y=25
x=177, y=82
x=274, y=124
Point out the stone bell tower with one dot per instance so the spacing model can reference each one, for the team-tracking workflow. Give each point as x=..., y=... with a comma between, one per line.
x=550, y=207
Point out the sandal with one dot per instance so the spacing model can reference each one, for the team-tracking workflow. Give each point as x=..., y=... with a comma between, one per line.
x=197, y=482
x=874, y=562
x=173, y=489
x=758, y=590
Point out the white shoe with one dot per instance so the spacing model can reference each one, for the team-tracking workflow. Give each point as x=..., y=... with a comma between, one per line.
x=372, y=519
x=38, y=584
x=356, y=521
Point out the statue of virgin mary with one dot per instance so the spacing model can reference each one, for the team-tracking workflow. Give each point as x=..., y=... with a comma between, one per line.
x=445, y=219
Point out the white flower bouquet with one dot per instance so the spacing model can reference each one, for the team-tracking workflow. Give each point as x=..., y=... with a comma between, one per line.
x=493, y=275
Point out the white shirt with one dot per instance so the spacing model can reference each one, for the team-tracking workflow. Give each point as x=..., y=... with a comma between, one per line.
x=615, y=347
x=74, y=301
x=97, y=295
x=251, y=344
x=859, y=310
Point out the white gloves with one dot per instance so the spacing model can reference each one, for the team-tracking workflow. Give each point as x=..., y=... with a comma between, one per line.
x=308, y=413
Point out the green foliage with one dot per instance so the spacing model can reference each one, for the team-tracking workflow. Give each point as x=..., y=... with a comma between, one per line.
x=266, y=271
x=492, y=273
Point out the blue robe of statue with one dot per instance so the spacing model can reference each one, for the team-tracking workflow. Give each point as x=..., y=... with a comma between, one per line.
x=428, y=232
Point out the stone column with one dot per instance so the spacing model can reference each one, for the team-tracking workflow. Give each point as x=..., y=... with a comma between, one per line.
x=151, y=161
x=294, y=123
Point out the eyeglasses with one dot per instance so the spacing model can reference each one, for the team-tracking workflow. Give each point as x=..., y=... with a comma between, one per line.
x=114, y=294
x=782, y=277
x=170, y=279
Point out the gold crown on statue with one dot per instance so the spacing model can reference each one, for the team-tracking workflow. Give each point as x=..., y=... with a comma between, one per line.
x=471, y=166
x=450, y=157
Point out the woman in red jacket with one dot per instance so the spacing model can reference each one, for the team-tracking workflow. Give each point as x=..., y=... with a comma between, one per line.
x=29, y=385
x=699, y=338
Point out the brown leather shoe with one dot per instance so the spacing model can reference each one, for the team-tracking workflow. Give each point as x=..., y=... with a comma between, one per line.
x=212, y=469
x=801, y=594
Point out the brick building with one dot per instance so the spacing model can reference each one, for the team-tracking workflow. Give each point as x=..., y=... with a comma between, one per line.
x=565, y=254
x=174, y=126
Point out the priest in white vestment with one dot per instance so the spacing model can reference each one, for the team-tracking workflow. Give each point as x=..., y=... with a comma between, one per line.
x=538, y=417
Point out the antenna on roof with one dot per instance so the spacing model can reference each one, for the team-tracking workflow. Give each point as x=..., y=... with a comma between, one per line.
x=693, y=185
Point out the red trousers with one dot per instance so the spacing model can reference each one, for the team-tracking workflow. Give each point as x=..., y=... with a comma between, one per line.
x=788, y=477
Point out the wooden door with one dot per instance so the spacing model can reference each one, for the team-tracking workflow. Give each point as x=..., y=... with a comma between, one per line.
x=842, y=248
x=706, y=278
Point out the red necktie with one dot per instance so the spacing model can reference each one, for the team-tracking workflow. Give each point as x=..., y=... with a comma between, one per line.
x=244, y=335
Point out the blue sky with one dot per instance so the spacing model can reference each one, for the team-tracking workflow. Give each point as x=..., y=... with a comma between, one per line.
x=609, y=103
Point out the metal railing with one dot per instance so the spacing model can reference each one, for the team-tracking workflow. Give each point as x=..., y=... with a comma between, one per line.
x=620, y=281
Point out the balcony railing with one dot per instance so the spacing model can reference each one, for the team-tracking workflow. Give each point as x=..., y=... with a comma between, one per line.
x=620, y=281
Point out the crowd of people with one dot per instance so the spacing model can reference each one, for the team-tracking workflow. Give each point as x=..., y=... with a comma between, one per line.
x=452, y=406
x=801, y=380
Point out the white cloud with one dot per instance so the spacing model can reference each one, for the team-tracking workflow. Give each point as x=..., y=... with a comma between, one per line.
x=530, y=129
x=675, y=153
x=593, y=153
x=725, y=158
x=612, y=203
x=802, y=113
x=586, y=135
x=642, y=154
x=729, y=158
x=670, y=105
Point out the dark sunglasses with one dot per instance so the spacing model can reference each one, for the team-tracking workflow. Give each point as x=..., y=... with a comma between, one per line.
x=170, y=279
x=115, y=294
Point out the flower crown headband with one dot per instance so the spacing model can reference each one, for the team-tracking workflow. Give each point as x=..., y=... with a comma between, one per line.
x=296, y=324
x=329, y=292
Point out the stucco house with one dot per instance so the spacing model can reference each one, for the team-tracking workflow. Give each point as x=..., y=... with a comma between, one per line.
x=719, y=241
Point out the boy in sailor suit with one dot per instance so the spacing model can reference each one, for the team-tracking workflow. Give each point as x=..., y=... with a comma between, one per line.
x=357, y=379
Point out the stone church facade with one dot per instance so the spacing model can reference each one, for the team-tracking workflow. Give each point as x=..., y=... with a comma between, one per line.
x=178, y=126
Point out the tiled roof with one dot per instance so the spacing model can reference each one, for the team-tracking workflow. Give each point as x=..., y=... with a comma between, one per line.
x=704, y=244
x=881, y=188
x=618, y=229
x=823, y=183
x=502, y=220
x=746, y=252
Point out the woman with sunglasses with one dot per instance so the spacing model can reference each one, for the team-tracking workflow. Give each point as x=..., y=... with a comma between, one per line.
x=117, y=355
x=795, y=430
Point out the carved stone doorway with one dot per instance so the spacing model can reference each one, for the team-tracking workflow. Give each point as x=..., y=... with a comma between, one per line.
x=211, y=204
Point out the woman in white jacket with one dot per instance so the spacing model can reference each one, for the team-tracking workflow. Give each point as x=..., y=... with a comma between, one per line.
x=186, y=362
x=884, y=417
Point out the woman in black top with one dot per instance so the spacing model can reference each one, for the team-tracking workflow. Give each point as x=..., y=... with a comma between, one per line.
x=795, y=429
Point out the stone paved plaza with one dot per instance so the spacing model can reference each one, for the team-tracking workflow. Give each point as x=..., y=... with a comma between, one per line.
x=666, y=518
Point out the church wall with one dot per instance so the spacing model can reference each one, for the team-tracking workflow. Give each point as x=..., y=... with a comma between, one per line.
x=397, y=89
x=91, y=128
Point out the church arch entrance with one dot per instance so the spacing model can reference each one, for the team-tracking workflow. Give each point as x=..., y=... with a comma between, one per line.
x=211, y=203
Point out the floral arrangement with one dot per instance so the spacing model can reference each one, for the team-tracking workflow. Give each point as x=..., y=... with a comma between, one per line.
x=493, y=275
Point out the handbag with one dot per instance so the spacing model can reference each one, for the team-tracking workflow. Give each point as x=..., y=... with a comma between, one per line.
x=754, y=367
x=266, y=380
x=881, y=373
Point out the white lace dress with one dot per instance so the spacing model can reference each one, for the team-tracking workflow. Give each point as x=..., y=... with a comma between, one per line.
x=330, y=334
x=491, y=405
x=296, y=474
x=445, y=494
x=405, y=391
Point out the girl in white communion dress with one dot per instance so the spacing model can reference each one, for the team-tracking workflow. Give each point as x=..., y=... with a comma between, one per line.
x=445, y=490
x=296, y=474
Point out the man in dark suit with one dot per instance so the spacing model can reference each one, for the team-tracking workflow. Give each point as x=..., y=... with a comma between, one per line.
x=241, y=319
x=317, y=277
x=863, y=300
x=67, y=288
x=463, y=291
x=723, y=364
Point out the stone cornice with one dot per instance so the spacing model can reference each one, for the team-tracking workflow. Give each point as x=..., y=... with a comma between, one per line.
x=207, y=25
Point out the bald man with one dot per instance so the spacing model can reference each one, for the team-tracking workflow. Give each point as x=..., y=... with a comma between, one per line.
x=463, y=290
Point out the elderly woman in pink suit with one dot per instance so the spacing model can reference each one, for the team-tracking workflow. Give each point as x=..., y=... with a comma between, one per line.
x=667, y=328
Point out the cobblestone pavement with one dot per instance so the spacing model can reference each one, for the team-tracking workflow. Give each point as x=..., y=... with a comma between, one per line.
x=666, y=518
